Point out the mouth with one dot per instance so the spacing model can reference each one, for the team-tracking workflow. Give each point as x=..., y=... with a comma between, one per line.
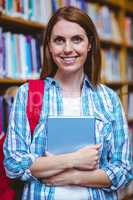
x=70, y=59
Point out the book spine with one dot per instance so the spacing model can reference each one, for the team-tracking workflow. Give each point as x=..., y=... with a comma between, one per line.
x=8, y=46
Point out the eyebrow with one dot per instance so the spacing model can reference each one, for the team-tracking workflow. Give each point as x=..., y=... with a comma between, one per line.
x=79, y=35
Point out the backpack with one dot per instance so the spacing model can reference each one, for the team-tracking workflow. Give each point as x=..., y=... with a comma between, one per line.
x=34, y=102
x=6, y=192
x=12, y=189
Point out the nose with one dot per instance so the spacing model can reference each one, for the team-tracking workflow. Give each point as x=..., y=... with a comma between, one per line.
x=68, y=48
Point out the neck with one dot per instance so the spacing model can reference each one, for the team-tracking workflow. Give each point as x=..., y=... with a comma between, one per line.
x=71, y=84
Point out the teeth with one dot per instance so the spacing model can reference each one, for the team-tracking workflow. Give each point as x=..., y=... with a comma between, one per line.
x=69, y=59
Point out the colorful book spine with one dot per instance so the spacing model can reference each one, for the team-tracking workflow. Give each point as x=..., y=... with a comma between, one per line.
x=28, y=56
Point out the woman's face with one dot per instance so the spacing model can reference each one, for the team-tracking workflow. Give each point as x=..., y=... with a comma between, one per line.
x=69, y=46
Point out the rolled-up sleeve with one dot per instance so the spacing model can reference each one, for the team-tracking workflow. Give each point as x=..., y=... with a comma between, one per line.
x=119, y=166
x=17, y=155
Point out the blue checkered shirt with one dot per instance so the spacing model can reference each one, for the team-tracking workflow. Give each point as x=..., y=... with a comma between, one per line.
x=102, y=103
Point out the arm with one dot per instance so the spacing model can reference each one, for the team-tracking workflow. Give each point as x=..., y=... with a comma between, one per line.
x=17, y=153
x=47, y=166
x=93, y=178
x=21, y=162
x=115, y=167
x=118, y=167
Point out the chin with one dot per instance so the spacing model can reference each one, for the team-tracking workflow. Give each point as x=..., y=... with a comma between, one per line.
x=70, y=69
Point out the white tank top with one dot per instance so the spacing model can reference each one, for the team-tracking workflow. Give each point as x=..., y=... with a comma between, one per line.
x=72, y=107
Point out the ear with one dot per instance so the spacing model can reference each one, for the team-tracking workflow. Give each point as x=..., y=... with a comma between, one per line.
x=89, y=47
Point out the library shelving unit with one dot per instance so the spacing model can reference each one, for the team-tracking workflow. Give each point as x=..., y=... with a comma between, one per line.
x=17, y=25
x=123, y=9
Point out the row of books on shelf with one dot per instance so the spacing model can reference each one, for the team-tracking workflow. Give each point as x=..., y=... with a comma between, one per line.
x=5, y=107
x=40, y=11
x=20, y=55
x=129, y=30
x=6, y=101
x=129, y=66
x=105, y=20
x=110, y=65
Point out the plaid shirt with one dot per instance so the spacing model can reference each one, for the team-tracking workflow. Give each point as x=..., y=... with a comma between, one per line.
x=111, y=131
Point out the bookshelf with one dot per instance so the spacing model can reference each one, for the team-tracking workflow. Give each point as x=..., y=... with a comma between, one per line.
x=120, y=46
x=8, y=21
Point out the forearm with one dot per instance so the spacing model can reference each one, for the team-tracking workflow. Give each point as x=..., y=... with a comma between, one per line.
x=95, y=178
x=49, y=166
x=92, y=178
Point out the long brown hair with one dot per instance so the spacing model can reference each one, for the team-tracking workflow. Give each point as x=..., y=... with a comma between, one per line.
x=92, y=66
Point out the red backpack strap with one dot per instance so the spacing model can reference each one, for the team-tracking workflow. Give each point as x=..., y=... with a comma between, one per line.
x=34, y=103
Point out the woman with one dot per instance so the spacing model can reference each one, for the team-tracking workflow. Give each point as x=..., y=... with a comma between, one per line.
x=71, y=73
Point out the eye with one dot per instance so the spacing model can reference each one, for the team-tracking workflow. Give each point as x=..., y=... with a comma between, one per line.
x=59, y=40
x=77, y=39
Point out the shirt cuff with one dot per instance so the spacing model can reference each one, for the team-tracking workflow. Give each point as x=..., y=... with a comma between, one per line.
x=113, y=174
x=26, y=163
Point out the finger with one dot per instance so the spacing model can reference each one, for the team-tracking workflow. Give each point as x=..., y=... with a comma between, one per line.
x=97, y=146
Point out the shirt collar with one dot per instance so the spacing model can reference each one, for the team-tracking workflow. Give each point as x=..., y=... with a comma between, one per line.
x=51, y=81
x=87, y=82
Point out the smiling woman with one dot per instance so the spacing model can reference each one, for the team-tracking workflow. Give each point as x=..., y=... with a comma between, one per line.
x=82, y=39
x=71, y=74
x=68, y=49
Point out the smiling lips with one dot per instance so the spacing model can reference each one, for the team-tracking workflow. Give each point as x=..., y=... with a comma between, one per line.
x=69, y=60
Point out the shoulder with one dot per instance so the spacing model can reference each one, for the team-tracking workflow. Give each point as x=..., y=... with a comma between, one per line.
x=106, y=92
x=22, y=92
x=107, y=97
x=23, y=88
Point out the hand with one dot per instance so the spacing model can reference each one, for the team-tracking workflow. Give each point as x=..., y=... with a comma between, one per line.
x=87, y=158
x=67, y=177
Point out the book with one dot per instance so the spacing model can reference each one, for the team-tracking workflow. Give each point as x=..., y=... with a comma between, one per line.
x=69, y=134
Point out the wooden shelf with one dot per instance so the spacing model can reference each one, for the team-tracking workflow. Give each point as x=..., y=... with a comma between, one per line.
x=119, y=4
x=130, y=83
x=20, y=24
x=129, y=46
x=111, y=3
x=20, y=81
x=106, y=42
x=115, y=83
x=11, y=81
x=129, y=8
